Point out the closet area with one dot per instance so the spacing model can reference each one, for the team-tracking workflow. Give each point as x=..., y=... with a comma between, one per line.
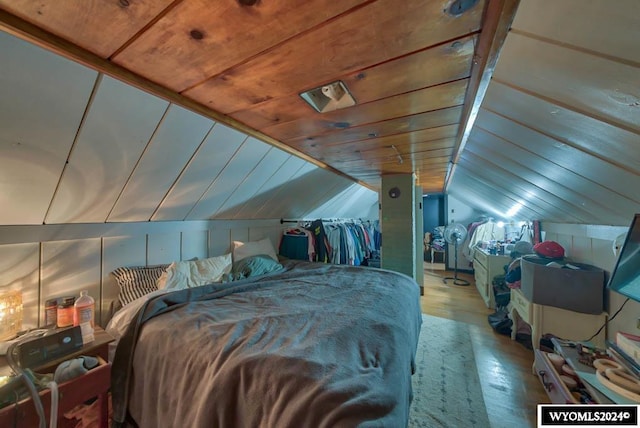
x=353, y=242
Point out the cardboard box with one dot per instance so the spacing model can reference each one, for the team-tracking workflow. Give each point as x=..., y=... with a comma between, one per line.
x=578, y=290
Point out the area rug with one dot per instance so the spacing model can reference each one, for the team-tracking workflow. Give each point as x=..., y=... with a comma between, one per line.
x=446, y=387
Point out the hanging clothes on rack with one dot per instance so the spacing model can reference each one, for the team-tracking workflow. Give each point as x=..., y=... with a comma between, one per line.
x=337, y=241
x=297, y=243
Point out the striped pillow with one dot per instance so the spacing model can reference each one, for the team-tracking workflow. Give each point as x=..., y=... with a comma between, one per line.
x=135, y=282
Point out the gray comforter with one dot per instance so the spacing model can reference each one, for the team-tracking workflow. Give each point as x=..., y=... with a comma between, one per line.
x=316, y=345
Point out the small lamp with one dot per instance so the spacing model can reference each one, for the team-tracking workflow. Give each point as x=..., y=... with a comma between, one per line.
x=10, y=314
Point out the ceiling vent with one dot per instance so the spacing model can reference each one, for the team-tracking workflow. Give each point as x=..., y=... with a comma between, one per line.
x=329, y=97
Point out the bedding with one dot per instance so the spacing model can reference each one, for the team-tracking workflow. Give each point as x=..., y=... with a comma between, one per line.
x=253, y=248
x=254, y=266
x=310, y=345
x=195, y=273
x=137, y=281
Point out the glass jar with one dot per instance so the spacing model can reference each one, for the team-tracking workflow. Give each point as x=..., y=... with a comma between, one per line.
x=65, y=312
x=51, y=312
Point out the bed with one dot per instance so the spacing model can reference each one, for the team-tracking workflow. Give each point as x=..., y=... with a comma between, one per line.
x=306, y=345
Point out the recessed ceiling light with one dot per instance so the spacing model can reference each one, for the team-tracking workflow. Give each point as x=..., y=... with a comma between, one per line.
x=329, y=97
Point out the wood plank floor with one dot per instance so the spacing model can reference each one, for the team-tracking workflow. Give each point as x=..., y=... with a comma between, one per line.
x=510, y=390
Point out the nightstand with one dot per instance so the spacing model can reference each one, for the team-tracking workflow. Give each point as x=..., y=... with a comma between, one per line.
x=94, y=384
x=98, y=348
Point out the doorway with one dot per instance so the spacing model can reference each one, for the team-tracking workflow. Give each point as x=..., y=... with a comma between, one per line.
x=432, y=216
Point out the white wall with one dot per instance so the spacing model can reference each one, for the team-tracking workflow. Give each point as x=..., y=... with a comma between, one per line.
x=593, y=244
x=57, y=260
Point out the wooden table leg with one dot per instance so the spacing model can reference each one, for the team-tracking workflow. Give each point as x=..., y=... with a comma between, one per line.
x=103, y=408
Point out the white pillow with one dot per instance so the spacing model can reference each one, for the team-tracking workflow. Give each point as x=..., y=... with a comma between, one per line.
x=243, y=250
x=189, y=274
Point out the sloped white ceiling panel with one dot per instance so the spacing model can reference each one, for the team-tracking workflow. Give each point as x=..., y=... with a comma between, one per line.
x=491, y=201
x=563, y=155
x=270, y=187
x=267, y=167
x=615, y=145
x=174, y=143
x=559, y=122
x=568, y=163
x=274, y=206
x=594, y=85
x=354, y=202
x=495, y=174
x=118, y=126
x=603, y=26
x=204, y=167
x=312, y=188
x=320, y=195
x=37, y=125
x=585, y=199
x=243, y=162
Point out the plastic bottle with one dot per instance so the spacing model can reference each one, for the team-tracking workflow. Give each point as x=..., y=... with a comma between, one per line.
x=83, y=315
x=84, y=308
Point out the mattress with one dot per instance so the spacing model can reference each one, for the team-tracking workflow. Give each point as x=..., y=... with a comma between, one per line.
x=314, y=345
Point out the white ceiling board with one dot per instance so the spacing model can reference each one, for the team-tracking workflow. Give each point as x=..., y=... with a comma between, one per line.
x=273, y=207
x=594, y=85
x=578, y=192
x=180, y=133
x=511, y=191
x=496, y=206
x=605, y=26
x=270, y=187
x=592, y=168
x=478, y=202
x=353, y=202
x=108, y=147
x=37, y=125
x=608, y=142
x=267, y=167
x=511, y=184
x=311, y=190
x=243, y=162
x=204, y=167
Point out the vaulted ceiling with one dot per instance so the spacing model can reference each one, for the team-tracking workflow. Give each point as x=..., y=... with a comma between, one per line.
x=186, y=109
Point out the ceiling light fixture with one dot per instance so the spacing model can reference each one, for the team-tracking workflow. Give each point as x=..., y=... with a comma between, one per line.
x=329, y=97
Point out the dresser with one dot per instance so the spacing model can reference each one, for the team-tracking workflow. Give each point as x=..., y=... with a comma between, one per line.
x=560, y=322
x=485, y=267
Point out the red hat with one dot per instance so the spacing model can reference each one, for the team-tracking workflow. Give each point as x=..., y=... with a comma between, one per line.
x=549, y=249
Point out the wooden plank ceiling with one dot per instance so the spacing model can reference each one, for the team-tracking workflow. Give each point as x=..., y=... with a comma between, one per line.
x=415, y=68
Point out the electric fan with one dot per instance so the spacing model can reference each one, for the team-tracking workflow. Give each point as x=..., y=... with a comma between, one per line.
x=455, y=234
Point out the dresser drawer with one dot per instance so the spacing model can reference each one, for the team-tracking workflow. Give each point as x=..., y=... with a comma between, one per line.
x=480, y=258
x=522, y=305
x=480, y=274
x=556, y=390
